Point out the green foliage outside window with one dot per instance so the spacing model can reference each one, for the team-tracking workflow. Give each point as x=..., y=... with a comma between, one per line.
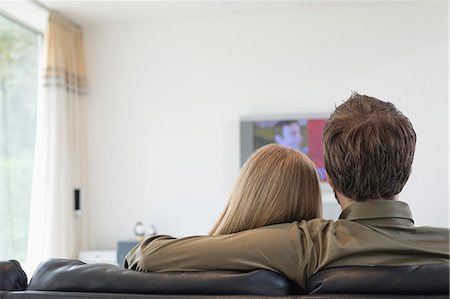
x=19, y=48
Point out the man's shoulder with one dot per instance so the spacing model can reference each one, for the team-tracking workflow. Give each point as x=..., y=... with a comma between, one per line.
x=324, y=228
x=433, y=232
x=434, y=228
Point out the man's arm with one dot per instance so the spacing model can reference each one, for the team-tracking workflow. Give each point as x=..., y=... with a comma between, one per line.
x=278, y=247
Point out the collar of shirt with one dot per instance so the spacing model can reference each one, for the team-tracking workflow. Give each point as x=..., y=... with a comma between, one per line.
x=377, y=209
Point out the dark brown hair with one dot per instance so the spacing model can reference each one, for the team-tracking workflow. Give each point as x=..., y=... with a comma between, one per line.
x=369, y=148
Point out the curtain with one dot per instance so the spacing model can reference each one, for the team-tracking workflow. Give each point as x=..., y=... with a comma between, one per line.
x=55, y=230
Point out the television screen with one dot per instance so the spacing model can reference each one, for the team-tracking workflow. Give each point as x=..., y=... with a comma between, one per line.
x=300, y=133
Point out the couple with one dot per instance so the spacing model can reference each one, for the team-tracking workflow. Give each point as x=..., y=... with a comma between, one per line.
x=271, y=221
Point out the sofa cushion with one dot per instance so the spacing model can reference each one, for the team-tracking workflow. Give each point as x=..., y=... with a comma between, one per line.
x=12, y=277
x=75, y=276
x=426, y=279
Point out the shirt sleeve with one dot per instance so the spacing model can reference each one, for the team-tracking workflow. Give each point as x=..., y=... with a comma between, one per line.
x=278, y=248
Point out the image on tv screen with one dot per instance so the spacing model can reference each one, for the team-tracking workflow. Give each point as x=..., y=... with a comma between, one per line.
x=304, y=135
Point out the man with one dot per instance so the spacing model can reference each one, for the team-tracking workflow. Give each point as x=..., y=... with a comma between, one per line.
x=369, y=147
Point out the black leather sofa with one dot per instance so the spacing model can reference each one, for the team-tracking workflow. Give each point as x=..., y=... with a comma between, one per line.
x=74, y=279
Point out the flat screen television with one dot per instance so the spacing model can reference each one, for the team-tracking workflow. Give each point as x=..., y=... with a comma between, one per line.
x=301, y=132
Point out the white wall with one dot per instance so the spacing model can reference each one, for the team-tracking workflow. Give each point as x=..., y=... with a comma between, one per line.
x=166, y=97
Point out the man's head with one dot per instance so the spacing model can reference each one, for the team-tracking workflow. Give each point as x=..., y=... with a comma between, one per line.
x=369, y=148
x=289, y=134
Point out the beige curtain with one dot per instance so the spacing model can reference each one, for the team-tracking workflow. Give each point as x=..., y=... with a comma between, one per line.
x=64, y=63
x=55, y=230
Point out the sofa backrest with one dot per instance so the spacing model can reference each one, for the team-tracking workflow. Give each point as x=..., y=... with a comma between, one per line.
x=61, y=275
x=75, y=276
x=12, y=276
x=417, y=280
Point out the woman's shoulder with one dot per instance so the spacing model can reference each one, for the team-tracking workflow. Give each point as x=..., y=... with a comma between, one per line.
x=317, y=225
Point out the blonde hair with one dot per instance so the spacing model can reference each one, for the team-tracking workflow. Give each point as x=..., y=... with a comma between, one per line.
x=275, y=185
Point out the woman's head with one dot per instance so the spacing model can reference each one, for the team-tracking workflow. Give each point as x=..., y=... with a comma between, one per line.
x=275, y=185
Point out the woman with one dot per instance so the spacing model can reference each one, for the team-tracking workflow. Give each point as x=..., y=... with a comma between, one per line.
x=276, y=184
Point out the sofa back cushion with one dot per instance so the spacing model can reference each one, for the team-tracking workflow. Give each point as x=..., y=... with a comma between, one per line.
x=75, y=276
x=12, y=276
x=426, y=279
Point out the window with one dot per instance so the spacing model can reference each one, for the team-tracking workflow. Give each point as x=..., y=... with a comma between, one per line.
x=19, y=51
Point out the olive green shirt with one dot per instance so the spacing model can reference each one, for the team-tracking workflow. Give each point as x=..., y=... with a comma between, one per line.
x=379, y=232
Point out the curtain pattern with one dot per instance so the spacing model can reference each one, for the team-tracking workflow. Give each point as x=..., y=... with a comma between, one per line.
x=55, y=230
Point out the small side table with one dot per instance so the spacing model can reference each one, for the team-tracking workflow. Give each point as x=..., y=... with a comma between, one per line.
x=123, y=247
